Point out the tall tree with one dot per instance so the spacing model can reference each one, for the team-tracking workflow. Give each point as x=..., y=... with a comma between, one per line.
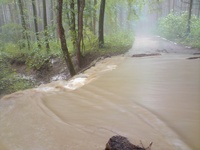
x=94, y=17
x=45, y=25
x=11, y=13
x=36, y=23
x=72, y=25
x=198, y=14
x=3, y=21
x=101, y=23
x=61, y=33
x=80, y=5
x=189, y=17
x=23, y=22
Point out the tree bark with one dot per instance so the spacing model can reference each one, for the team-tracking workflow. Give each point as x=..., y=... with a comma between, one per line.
x=189, y=17
x=36, y=23
x=80, y=5
x=199, y=10
x=94, y=18
x=73, y=25
x=63, y=43
x=16, y=12
x=101, y=23
x=11, y=13
x=3, y=21
x=52, y=19
x=90, y=13
x=45, y=25
x=169, y=6
x=23, y=22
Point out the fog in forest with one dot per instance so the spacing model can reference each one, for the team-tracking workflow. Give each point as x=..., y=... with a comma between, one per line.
x=97, y=74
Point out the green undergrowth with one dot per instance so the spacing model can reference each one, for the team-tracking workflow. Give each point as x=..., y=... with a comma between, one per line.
x=174, y=27
x=39, y=59
x=10, y=81
x=114, y=44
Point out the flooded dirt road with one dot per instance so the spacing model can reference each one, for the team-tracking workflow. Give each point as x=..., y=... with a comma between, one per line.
x=148, y=99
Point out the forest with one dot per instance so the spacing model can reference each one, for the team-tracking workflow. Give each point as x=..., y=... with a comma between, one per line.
x=42, y=39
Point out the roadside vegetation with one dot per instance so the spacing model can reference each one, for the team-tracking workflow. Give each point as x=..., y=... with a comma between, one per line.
x=175, y=27
x=17, y=65
x=31, y=46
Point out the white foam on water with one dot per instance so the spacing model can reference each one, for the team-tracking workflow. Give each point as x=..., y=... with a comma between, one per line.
x=76, y=83
x=110, y=67
x=46, y=89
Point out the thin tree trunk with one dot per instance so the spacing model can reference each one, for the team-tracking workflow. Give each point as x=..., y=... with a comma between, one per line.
x=181, y=7
x=23, y=22
x=169, y=6
x=17, y=18
x=101, y=23
x=11, y=13
x=94, y=18
x=52, y=18
x=3, y=22
x=199, y=10
x=189, y=17
x=80, y=5
x=173, y=5
x=90, y=12
x=36, y=23
x=63, y=43
x=45, y=25
x=73, y=25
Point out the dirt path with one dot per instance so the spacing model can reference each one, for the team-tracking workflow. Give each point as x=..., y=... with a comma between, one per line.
x=146, y=44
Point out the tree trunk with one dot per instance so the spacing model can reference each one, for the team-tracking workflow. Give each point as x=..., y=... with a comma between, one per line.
x=181, y=7
x=3, y=22
x=189, y=17
x=11, y=13
x=36, y=23
x=45, y=25
x=169, y=6
x=16, y=12
x=199, y=10
x=80, y=5
x=101, y=23
x=63, y=43
x=90, y=13
x=94, y=18
x=173, y=6
x=73, y=24
x=52, y=19
x=23, y=22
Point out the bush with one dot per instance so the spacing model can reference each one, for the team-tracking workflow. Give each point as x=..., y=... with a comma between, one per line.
x=11, y=33
x=9, y=81
x=174, y=27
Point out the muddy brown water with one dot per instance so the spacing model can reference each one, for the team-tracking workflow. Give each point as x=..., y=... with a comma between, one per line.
x=148, y=99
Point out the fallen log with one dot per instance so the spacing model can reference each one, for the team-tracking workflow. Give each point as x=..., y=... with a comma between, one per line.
x=122, y=143
x=145, y=55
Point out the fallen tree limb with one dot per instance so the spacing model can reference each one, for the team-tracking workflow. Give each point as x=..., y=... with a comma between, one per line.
x=122, y=143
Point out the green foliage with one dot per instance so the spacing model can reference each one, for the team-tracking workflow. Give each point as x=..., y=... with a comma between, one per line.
x=174, y=27
x=11, y=33
x=9, y=81
x=121, y=38
x=115, y=44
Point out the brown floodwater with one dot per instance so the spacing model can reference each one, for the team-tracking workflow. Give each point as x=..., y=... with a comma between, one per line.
x=148, y=99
